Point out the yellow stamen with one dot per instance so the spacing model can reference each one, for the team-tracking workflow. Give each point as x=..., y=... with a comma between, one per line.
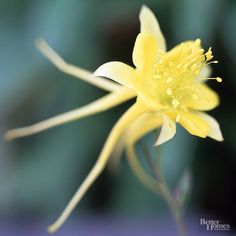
x=175, y=103
x=218, y=79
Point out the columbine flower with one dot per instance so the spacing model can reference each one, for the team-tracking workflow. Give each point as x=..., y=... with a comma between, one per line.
x=170, y=88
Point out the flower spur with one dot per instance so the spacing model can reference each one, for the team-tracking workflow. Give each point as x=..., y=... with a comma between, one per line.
x=169, y=86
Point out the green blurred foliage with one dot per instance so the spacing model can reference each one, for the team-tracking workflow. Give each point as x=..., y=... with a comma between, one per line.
x=39, y=174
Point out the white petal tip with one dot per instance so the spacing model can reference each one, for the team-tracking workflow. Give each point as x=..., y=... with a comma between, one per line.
x=118, y=72
x=145, y=12
x=9, y=136
x=219, y=139
x=52, y=229
x=98, y=72
x=161, y=141
x=168, y=131
x=214, y=128
x=158, y=143
x=104, y=70
x=39, y=43
x=144, y=8
x=218, y=136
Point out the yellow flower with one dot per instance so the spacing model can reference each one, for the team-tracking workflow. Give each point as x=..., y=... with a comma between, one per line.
x=170, y=88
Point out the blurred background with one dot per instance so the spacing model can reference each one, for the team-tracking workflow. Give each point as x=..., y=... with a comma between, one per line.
x=40, y=173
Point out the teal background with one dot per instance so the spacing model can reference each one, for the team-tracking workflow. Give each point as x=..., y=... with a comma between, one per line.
x=40, y=173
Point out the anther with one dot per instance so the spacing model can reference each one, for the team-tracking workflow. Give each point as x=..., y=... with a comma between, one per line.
x=201, y=51
x=175, y=103
x=209, y=55
x=169, y=79
x=218, y=79
x=169, y=91
x=212, y=62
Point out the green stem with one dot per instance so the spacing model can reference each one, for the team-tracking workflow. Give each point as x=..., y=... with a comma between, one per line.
x=165, y=192
x=173, y=206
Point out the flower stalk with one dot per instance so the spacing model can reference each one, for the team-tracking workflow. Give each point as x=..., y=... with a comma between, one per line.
x=164, y=191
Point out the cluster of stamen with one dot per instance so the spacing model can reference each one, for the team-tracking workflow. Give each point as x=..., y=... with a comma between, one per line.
x=176, y=73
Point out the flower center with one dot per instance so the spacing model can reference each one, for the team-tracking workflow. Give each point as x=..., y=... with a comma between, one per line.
x=177, y=72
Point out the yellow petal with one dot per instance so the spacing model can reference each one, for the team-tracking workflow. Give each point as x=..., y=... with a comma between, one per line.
x=214, y=128
x=150, y=25
x=104, y=103
x=144, y=53
x=168, y=131
x=75, y=71
x=135, y=111
x=203, y=98
x=140, y=127
x=119, y=72
x=113, y=165
x=194, y=124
